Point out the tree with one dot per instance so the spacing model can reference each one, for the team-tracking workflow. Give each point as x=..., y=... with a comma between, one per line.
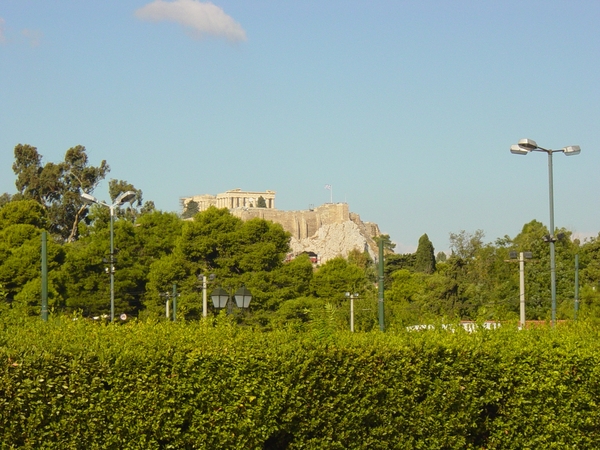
x=425, y=257
x=404, y=294
x=137, y=248
x=21, y=224
x=388, y=245
x=131, y=212
x=336, y=277
x=261, y=202
x=117, y=187
x=57, y=187
x=274, y=289
x=191, y=209
x=28, y=167
x=537, y=271
x=237, y=252
x=589, y=262
x=394, y=262
x=360, y=258
x=4, y=199
x=76, y=176
x=27, y=212
x=464, y=245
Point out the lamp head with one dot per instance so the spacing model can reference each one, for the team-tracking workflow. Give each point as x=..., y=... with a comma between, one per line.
x=219, y=297
x=125, y=197
x=572, y=150
x=243, y=297
x=518, y=150
x=528, y=144
x=89, y=198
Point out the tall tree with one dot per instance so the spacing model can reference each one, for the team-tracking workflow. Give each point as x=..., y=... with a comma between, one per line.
x=57, y=187
x=425, y=256
x=28, y=167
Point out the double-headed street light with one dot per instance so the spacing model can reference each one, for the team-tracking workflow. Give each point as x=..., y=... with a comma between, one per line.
x=221, y=297
x=523, y=148
x=124, y=197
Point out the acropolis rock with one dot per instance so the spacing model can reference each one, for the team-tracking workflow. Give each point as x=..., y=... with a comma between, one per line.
x=329, y=230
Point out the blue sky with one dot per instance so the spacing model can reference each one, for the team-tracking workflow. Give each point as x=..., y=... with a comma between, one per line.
x=407, y=108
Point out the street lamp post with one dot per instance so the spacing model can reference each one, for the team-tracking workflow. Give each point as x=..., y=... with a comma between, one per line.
x=523, y=148
x=521, y=261
x=351, y=297
x=202, y=278
x=122, y=198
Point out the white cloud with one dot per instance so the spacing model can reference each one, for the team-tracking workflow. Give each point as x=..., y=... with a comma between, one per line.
x=200, y=18
x=34, y=36
x=2, y=37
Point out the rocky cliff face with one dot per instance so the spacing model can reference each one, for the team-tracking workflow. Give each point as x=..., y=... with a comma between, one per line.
x=333, y=240
x=329, y=230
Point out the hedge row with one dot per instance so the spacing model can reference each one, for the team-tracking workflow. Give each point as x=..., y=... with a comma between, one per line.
x=75, y=384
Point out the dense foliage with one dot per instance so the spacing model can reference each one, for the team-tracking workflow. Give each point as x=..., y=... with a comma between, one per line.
x=68, y=384
x=156, y=250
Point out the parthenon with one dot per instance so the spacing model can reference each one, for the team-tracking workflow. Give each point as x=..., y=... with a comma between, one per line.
x=234, y=198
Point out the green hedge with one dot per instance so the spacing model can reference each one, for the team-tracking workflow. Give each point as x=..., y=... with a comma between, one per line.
x=76, y=384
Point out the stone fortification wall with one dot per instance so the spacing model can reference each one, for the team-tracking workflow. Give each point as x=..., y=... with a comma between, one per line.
x=329, y=230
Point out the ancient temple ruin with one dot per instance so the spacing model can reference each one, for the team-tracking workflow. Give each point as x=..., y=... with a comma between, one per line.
x=235, y=198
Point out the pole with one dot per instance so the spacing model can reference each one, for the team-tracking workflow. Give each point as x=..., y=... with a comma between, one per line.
x=204, y=297
x=230, y=297
x=44, y=276
x=352, y=313
x=167, y=304
x=174, y=302
x=552, y=254
x=112, y=264
x=522, y=289
x=576, y=285
x=380, y=303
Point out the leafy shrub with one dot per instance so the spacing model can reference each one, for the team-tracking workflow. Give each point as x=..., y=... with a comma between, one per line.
x=79, y=384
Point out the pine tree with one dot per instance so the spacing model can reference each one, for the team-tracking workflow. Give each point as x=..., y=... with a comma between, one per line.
x=425, y=257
